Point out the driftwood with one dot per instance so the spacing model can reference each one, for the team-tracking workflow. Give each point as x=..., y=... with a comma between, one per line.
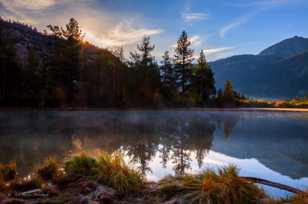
x=273, y=184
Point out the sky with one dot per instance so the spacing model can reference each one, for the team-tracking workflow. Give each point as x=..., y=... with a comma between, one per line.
x=221, y=28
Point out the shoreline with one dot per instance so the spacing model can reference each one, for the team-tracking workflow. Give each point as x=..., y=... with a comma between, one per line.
x=244, y=109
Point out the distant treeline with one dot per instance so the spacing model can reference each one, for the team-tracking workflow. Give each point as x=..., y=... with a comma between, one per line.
x=75, y=73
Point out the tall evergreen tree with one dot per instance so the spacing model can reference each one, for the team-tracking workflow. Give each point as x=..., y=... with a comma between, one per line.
x=203, y=81
x=183, y=61
x=146, y=72
x=167, y=72
x=143, y=58
x=67, y=60
x=228, y=93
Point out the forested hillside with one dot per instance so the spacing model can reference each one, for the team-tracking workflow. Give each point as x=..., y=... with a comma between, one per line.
x=58, y=68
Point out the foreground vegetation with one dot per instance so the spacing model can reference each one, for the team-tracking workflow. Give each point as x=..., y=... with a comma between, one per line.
x=107, y=178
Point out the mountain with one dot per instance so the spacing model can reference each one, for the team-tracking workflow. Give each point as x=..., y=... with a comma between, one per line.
x=280, y=71
x=288, y=48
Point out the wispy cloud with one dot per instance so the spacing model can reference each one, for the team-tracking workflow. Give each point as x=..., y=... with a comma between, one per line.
x=235, y=23
x=257, y=6
x=191, y=17
x=122, y=34
x=218, y=52
x=100, y=27
x=15, y=5
x=213, y=51
x=195, y=40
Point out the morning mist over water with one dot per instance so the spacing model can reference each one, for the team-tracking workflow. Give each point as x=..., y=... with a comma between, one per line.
x=159, y=143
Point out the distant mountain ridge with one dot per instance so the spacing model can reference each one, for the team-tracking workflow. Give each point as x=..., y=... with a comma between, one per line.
x=288, y=48
x=280, y=71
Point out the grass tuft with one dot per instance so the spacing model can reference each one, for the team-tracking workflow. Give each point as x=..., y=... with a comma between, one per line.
x=82, y=165
x=223, y=186
x=300, y=198
x=114, y=172
x=108, y=169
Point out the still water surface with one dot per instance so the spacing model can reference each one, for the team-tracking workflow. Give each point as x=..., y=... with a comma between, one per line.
x=269, y=145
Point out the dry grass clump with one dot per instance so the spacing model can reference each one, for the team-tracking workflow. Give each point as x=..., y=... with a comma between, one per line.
x=49, y=169
x=300, y=198
x=108, y=169
x=114, y=172
x=211, y=187
x=8, y=171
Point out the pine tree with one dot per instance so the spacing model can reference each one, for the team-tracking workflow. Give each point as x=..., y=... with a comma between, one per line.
x=142, y=58
x=220, y=97
x=66, y=66
x=167, y=71
x=183, y=62
x=146, y=72
x=228, y=93
x=203, y=81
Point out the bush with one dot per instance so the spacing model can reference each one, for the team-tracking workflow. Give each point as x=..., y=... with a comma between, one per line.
x=49, y=170
x=82, y=165
x=115, y=173
x=223, y=187
x=8, y=171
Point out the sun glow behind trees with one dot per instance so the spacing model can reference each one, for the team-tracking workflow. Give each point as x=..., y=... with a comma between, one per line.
x=73, y=73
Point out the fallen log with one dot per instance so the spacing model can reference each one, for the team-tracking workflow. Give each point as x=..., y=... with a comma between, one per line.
x=273, y=184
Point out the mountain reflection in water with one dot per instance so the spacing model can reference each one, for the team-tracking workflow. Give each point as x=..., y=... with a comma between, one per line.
x=171, y=142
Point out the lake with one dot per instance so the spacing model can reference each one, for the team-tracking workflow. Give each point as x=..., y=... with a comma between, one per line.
x=266, y=144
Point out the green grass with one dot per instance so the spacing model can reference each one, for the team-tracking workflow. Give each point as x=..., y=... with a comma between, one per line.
x=212, y=187
x=8, y=171
x=82, y=165
x=108, y=169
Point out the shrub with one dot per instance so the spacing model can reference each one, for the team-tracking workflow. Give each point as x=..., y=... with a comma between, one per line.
x=49, y=170
x=8, y=171
x=223, y=187
x=114, y=172
x=82, y=165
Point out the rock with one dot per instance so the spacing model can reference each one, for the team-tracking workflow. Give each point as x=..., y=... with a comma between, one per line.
x=85, y=200
x=88, y=186
x=173, y=201
x=103, y=194
x=2, y=197
x=51, y=190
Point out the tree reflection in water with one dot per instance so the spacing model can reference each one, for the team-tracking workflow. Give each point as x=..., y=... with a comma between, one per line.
x=174, y=137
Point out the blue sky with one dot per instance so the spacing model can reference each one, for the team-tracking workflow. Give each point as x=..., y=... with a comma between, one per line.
x=221, y=27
